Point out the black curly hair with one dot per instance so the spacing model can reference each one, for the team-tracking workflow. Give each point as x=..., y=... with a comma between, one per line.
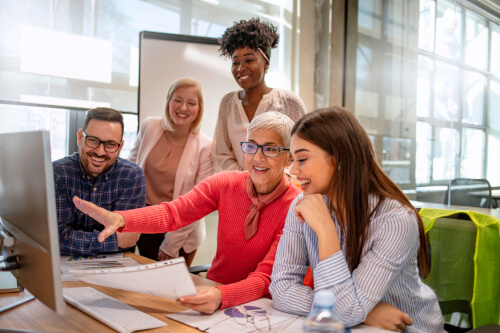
x=252, y=33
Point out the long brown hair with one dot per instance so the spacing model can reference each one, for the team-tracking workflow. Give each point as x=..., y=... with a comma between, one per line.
x=337, y=131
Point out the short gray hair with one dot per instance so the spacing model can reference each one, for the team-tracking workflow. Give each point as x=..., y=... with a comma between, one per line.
x=273, y=120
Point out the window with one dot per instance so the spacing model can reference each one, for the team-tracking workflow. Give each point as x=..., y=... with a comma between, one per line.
x=427, y=79
x=454, y=74
x=384, y=95
x=22, y=118
x=59, y=58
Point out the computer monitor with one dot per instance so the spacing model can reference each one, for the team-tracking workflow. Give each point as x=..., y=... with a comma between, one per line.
x=28, y=213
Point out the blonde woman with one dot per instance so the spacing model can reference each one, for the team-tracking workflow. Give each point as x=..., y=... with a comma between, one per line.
x=175, y=156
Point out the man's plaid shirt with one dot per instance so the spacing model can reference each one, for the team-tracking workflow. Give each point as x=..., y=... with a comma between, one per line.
x=121, y=187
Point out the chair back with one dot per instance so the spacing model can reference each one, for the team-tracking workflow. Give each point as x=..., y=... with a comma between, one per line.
x=469, y=192
x=464, y=264
x=452, y=243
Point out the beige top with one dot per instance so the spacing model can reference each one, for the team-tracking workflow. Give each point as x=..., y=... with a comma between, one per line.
x=195, y=165
x=160, y=170
x=232, y=125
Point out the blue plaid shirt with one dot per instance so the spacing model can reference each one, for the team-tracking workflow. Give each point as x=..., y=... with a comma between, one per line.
x=122, y=187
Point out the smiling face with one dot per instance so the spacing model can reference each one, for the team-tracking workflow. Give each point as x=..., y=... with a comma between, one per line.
x=184, y=107
x=266, y=172
x=312, y=166
x=248, y=68
x=97, y=160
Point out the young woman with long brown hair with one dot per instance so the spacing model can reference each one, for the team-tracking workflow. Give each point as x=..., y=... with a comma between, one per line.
x=354, y=226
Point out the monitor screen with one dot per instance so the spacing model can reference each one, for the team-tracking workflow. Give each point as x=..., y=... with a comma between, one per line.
x=28, y=213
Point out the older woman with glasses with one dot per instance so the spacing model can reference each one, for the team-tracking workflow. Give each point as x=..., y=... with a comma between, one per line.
x=252, y=208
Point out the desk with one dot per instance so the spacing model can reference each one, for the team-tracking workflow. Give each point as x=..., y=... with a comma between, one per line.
x=36, y=316
x=491, y=212
x=495, y=195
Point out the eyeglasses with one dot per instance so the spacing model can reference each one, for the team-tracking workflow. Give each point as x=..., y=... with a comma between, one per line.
x=244, y=314
x=267, y=150
x=93, y=142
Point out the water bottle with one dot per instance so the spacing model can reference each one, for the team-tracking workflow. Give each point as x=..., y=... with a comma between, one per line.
x=323, y=318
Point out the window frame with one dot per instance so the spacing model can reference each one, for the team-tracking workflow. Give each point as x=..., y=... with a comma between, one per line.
x=458, y=125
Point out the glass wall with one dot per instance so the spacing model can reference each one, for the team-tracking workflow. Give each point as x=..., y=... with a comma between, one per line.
x=427, y=82
x=384, y=91
x=61, y=55
x=453, y=80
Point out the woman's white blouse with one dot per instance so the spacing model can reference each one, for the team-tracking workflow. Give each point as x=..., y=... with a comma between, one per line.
x=388, y=271
x=232, y=124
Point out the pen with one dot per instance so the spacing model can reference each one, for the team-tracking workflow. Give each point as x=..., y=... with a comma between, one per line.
x=13, y=305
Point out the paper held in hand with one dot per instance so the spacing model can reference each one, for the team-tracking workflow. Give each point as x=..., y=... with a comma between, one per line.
x=169, y=278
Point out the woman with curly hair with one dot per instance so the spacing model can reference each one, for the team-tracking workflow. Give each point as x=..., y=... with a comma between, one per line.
x=248, y=44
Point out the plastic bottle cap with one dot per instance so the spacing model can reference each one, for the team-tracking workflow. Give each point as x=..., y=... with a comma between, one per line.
x=324, y=298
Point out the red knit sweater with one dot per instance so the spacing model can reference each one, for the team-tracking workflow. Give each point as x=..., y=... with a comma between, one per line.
x=243, y=266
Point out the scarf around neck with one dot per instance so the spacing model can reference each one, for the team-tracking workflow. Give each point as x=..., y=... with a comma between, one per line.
x=259, y=201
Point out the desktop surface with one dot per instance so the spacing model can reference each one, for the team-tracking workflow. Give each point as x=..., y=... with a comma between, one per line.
x=487, y=211
x=34, y=315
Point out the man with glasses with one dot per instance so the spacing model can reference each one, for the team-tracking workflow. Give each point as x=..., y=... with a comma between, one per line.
x=97, y=174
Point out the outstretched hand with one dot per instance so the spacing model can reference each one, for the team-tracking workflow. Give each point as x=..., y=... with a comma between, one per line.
x=111, y=221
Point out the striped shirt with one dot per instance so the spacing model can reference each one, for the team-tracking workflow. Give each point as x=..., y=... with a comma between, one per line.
x=388, y=270
x=121, y=187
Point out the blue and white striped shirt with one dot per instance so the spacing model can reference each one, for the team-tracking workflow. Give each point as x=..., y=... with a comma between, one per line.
x=121, y=187
x=387, y=271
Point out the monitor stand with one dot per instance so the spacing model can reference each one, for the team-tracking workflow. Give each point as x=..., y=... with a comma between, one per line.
x=8, y=272
x=8, y=263
x=8, y=283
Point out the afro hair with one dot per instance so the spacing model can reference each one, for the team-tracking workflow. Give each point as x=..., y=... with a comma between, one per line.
x=253, y=34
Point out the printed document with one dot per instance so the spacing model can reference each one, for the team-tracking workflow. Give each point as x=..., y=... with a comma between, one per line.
x=101, y=261
x=168, y=279
x=253, y=317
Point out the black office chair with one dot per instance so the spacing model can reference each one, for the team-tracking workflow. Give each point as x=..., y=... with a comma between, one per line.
x=486, y=329
x=199, y=269
x=466, y=192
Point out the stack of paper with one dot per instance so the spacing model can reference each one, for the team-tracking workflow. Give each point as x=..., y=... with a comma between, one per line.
x=169, y=278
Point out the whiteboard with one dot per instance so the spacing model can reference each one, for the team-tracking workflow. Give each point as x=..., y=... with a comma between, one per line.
x=166, y=57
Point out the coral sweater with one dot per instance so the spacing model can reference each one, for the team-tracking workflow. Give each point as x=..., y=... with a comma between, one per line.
x=243, y=266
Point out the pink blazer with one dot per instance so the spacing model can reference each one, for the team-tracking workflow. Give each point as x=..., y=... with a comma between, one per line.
x=194, y=166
